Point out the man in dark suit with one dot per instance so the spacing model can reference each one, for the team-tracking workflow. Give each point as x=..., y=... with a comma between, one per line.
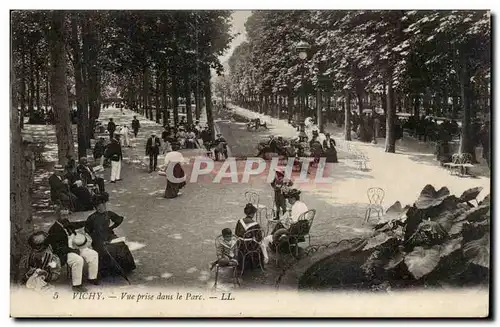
x=152, y=150
x=135, y=126
x=60, y=238
x=87, y=174
x=60, y=190
x=111, y=128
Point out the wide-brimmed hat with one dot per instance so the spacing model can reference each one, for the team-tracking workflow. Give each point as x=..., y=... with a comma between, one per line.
x=249, y=209
x=292, y=193
x=100, y=198
x=80, y=241
x=58, y=167
x=280, y=171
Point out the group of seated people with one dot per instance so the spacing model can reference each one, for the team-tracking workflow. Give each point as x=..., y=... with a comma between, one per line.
x=92, y=243
x=73, y=186
x=185, y=136
x=300, y=147
x=248, y=248
x=256, y=124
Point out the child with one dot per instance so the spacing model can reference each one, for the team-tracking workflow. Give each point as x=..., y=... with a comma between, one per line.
x=226, y=250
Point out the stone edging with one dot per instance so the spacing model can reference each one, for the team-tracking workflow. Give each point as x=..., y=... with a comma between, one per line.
x=289, y=279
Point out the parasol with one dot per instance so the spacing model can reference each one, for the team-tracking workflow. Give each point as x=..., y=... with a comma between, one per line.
x=174, y=156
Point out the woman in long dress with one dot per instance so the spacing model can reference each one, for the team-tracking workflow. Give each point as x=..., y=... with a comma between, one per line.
x=114, y=257
x=248, y=229
x=173, y=187
x=329, y=148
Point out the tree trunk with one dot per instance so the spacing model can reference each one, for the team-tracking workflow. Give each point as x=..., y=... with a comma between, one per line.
x=23, y=87
x=37, y=74
x=416, y=106
x=390, y=135
x=175, y=96
x=197, y=104
x=319, y=111
x=208, y=101
x=65, y=146
x=82, y=112
x=289, y=103
x=20, y=198
x=92, y=71
x=164, y=99
x=157, y=97
x=47, y=92
x=347, y=121
x=31, y=89
x=187, y=95
x=466, y=137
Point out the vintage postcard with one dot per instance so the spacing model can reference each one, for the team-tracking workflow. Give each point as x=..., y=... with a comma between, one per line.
x=264, y=163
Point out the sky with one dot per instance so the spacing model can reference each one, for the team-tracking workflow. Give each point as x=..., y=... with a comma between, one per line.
x=238, y=21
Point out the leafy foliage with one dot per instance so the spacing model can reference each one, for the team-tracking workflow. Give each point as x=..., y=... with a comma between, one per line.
x=437, y=227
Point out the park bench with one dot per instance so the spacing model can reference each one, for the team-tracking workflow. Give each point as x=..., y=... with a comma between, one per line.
x=460, y=164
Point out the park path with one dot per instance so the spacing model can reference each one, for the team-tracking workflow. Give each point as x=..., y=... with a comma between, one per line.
x=402, y=174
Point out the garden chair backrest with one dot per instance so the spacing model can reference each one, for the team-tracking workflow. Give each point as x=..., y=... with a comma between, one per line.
x=253, y=198
x=375, y=195
x=304, y=223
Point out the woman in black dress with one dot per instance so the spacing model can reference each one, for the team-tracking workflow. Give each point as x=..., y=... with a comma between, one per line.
x=114, y=257
x=248, y=230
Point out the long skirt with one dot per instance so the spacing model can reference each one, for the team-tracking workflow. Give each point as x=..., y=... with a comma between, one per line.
x=331, y=155
x=172, y=189
x=115, y=259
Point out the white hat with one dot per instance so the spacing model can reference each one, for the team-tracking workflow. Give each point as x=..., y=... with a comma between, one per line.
x=80, y=241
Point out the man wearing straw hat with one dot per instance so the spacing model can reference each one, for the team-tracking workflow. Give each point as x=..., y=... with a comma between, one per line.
x=59, y=189
x=73, y=248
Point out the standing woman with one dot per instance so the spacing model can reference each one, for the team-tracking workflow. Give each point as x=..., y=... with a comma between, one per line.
x=174, y=173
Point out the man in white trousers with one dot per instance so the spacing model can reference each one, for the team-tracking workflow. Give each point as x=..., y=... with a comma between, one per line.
x=73, y=248
x=125, y=136
x=114, y=153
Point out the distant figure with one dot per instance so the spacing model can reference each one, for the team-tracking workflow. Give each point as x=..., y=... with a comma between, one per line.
x=99, y=149
x=135, y=126
x=153, y=145
x=111, y=128
x=125, y=139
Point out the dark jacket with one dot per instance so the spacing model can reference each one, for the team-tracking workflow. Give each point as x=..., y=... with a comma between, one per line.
x=99, y=149
x=85, y=173
x=58, y=239
x=332, y=143
x=114, y=151
x=135, y=124
x=57, y=187
x=111, y=126
x=153, y=150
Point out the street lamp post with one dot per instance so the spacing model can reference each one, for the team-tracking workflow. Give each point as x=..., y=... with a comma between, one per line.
x=302, y=50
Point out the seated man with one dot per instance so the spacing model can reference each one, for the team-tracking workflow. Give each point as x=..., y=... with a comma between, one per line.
x=60, y=192
x=59, y=236
x=191, y=140
x=220, y=146
x=282, y=228
x=84, y=198
x=88, y=176
x=181, y=137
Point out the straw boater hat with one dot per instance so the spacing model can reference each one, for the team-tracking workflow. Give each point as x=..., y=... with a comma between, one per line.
x=80, y=241
x=280, y=171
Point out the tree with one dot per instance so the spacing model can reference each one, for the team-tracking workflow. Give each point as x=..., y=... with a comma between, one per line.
x=65, y=146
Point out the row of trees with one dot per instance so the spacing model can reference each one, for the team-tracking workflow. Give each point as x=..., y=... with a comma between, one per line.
x=148, y=59
x=432, y=62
